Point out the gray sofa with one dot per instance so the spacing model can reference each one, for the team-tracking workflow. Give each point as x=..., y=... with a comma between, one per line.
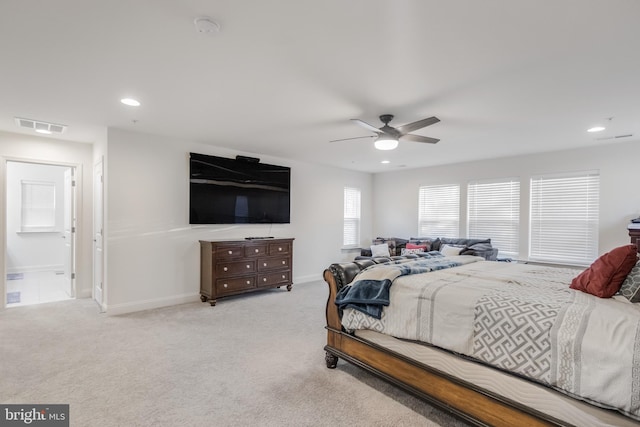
x=397, y=246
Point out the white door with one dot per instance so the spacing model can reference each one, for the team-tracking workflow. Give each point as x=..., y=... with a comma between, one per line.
x=69, y=231
x=98, y=254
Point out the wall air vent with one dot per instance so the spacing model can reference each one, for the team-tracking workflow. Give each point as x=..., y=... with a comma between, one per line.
x=607, y=138
x=40, y=126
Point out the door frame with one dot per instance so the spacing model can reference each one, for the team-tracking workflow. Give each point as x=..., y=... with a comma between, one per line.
x=77, y=201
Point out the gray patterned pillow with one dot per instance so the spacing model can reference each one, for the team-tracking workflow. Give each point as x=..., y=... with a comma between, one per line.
x=630, y=288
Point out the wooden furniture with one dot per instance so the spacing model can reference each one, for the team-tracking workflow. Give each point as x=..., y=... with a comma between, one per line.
x=462, y=397
x=634, y=234
x=239, y=266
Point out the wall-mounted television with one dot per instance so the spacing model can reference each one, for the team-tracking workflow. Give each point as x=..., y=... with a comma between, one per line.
x=237, y=191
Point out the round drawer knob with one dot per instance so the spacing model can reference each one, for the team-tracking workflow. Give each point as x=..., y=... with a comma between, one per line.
x=248, y=266
x=265, y=264
x=225, y=269
x=230, y=252
x=284, y=262
x=225, y=285
x=264, y=279
x=257, y=251
x=284, y=277
x=280, y=249
x=248, y=282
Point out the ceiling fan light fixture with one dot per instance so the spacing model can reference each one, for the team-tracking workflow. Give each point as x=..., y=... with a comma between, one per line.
x=385, y=142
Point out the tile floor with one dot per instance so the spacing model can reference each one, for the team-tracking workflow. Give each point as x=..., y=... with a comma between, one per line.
x=36, y=287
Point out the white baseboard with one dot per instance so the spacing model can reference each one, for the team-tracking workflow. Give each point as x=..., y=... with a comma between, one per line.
x=131, y=307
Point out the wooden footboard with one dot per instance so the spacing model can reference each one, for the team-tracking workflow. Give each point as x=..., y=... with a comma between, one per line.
x=461, y=398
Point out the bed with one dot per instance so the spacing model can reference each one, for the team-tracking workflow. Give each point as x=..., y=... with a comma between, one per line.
x=494, y=343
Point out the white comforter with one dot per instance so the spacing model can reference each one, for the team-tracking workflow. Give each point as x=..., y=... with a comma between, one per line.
x=524, y=319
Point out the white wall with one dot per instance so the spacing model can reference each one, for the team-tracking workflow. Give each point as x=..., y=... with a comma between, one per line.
x=396, y=193
x=34, y=251
x=49, y=150
x=152, y=251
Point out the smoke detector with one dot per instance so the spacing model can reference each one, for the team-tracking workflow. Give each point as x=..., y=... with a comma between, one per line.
x=206, y=25
x=40, y=126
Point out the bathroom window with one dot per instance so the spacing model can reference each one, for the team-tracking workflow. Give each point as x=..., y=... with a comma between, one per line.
x=38, y=206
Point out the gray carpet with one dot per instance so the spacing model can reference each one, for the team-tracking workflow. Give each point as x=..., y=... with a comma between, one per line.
x=251, y=360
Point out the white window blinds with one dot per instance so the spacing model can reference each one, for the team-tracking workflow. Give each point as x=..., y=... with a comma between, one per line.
x=439, y=211
x=493, y=211
x=564, y=218
x=351, y=230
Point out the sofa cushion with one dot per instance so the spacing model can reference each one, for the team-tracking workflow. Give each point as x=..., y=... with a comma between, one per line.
x=463, y=241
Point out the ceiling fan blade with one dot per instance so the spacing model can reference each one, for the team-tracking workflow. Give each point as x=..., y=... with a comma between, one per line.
x=410, y=127
x=367, y=126
x=348, y=139
x=418, y=138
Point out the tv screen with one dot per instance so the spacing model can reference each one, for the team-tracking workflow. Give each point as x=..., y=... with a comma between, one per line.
x=230, y=191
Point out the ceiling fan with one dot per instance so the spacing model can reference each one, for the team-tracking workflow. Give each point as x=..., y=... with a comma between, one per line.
x=387, y=137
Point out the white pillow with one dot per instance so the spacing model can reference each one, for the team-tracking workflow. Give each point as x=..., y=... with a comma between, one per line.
x=449, y=250
x=380, y=250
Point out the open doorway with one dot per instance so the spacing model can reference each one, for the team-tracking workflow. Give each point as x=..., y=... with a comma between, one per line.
x=40, y=233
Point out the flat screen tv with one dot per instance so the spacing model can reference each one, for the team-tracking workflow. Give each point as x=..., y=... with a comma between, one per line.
x=236, y=191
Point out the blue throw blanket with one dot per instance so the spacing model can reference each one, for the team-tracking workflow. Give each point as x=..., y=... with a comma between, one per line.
x=369, y=292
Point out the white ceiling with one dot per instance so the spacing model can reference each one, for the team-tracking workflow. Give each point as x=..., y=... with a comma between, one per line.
x=283, y=77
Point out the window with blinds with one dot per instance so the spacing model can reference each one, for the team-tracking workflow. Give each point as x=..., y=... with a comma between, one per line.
x=351, y=228
x=439, y=211
x=38, y=206
x=493, y=211
x=564, y=218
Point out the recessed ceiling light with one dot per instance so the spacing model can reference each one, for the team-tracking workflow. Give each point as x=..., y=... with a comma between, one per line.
x=44, y=131
x=131, y=102
x=596, y=129
x=384, y=162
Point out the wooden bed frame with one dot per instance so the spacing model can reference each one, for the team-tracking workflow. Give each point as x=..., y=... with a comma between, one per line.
x=463, y=399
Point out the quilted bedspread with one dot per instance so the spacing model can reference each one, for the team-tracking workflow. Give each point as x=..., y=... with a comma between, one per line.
x=524, y=319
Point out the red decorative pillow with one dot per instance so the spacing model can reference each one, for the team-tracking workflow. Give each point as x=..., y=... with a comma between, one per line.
x=605, y=276
x=413, y=246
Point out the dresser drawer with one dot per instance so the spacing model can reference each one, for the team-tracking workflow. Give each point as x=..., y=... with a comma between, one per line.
x=234, y=268
x=255, y=250
x=228, y=252
x=280, y=248
x=226, y=286
x=271, y=279
x=274, y=263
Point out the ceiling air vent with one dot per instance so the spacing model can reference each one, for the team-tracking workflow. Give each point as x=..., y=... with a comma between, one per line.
x=40, y=126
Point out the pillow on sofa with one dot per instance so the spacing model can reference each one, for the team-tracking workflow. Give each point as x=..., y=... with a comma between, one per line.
x=395, y=244
x=381, y=249
x=480, y=247
x=606, y=274
x=424, y=247
x=630, y=288
x=451, y=250
x=431, y=244
x=407, y=251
